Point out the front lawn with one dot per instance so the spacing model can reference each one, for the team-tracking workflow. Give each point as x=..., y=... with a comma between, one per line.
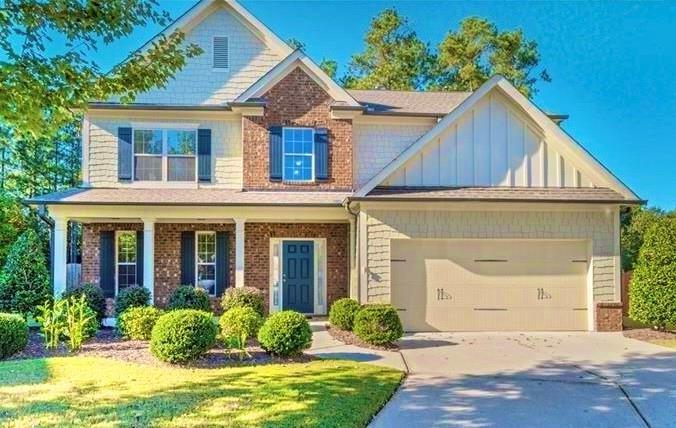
x=92, y=391
x=669, y=343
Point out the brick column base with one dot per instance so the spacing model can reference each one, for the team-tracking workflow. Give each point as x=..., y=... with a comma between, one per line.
x=608, y=316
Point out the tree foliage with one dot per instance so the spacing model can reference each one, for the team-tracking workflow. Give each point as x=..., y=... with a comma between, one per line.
x=478, y=50
x=653, y=285
x=394, y=57
x=634, y=224
x=24, y=281
x=48, y=73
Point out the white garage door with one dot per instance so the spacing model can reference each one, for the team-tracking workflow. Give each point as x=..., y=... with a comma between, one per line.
x=489, y=285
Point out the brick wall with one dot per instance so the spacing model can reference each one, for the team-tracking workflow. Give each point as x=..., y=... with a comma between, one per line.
x=296, y=101
x=167, y=252
x=608, y=316
x=257, y=253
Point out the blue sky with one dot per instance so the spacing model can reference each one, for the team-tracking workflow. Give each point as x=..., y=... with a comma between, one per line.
x=612, y=66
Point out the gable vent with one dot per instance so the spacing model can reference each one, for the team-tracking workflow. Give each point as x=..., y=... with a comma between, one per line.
x=221, y=54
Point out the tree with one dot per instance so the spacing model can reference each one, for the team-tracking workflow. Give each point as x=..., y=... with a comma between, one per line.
x=329, y=66
x=478, y=50
x=24, y=281
x=15, y=219
x=47, y=73
x=653, y=285
x=394, y=57
x=635, y=222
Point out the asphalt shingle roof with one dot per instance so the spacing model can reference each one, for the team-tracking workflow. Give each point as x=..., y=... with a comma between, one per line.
x=408, y=102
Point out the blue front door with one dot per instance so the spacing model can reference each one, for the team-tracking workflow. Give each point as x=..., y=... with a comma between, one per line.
x=298, y=276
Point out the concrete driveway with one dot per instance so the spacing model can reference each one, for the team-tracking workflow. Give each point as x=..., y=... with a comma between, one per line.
x=532, y=380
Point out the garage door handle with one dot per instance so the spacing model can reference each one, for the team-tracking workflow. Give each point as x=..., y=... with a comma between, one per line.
x=401, y=309
x=397, y=260
x=490, y=260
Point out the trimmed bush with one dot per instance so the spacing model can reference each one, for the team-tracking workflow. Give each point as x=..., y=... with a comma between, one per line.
x=240, y=322
x=189, y=297
x=13, y=334
x=285, y=333
x=137, y=323
x=237, y=297
x=24, y=282
x=93, y=296
x=378, y=324
x=653, y=285
x=131, y=297
x=183, y=335
x=342, y=313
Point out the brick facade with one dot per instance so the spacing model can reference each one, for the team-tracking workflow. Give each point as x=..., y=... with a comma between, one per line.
x=608, y=316
x=257, y=253
x=297, y=100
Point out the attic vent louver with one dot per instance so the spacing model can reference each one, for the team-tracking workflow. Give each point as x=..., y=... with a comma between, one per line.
x=220, y=53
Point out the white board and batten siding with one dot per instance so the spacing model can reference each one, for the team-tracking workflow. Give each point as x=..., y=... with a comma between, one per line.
x=493, y=144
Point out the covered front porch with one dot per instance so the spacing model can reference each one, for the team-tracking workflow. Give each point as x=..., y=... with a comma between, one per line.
x=301, y=258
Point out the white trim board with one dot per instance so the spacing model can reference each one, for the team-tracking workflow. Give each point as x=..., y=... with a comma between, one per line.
x=563, y=143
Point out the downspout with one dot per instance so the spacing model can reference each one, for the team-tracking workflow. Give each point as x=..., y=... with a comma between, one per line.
x=353, y=253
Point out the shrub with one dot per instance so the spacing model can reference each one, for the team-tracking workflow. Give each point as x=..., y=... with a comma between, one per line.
x=238, y=325
x=378, y=324
x=52, y=319
x=189, y=297
x=93, y=296
x=131, y=297
x=24, y=282
x=342, y=313
x=183, y=335
x=653, y=285
x=137, y=323
x=13, y=334
x=285, y=333
x=237, y=297
x=81, y=323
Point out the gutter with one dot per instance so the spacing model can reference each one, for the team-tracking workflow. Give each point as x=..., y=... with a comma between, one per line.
x=549, y=201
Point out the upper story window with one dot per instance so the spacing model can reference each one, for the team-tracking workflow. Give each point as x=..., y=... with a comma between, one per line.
x=298, y=160
x=220, y=54
x=165, y=154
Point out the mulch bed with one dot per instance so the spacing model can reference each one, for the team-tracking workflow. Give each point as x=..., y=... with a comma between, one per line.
x=349, y=338
x=648, y=334
x=108, y=344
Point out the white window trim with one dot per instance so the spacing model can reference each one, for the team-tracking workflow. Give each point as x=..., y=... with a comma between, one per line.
x=117, y=262
x=319, y=274
x=213, y=49
x=197, y=263
x=312, y=156
x=164, y=155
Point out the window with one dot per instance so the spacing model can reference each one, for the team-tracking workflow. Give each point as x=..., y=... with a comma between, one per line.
x=206, y=262
x=126, y=259
x=160, y=150
x=221, y=57
x=298, y=161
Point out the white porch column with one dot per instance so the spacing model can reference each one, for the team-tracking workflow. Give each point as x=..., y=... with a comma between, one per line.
x=239, y=251
x=59, y=255
x=149, y=256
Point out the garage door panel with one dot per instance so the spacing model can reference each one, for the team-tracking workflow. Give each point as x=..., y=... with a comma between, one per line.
x=446, y=285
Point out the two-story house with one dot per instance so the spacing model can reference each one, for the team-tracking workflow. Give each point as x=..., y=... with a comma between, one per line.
x=467, y=211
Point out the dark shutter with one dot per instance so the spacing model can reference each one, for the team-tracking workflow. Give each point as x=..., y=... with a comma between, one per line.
x=107, y=263
x=187, y=258
x=321, y=154
x=222, y=262
x=139, y=258
x=124, y=156
x=204, y=155
x=276, y=153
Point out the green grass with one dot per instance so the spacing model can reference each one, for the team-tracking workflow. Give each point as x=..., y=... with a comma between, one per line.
x=85, y=391
x=669, y=343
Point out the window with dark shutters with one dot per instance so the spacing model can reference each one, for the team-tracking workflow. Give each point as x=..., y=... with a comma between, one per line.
x=276, y=153
x=188, y=258
x=107, y=263
x=124, y=156
x=322, y=154
x=204, y=155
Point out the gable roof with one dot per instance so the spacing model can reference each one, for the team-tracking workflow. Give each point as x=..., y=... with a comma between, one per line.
x=395, y=103
x=203, y=7
x=565, y=144
x=297, y=58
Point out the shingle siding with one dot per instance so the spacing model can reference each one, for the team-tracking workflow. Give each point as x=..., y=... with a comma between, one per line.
x=198, y=83
x=378, y=144
x=226, y=149
x=384, y=225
